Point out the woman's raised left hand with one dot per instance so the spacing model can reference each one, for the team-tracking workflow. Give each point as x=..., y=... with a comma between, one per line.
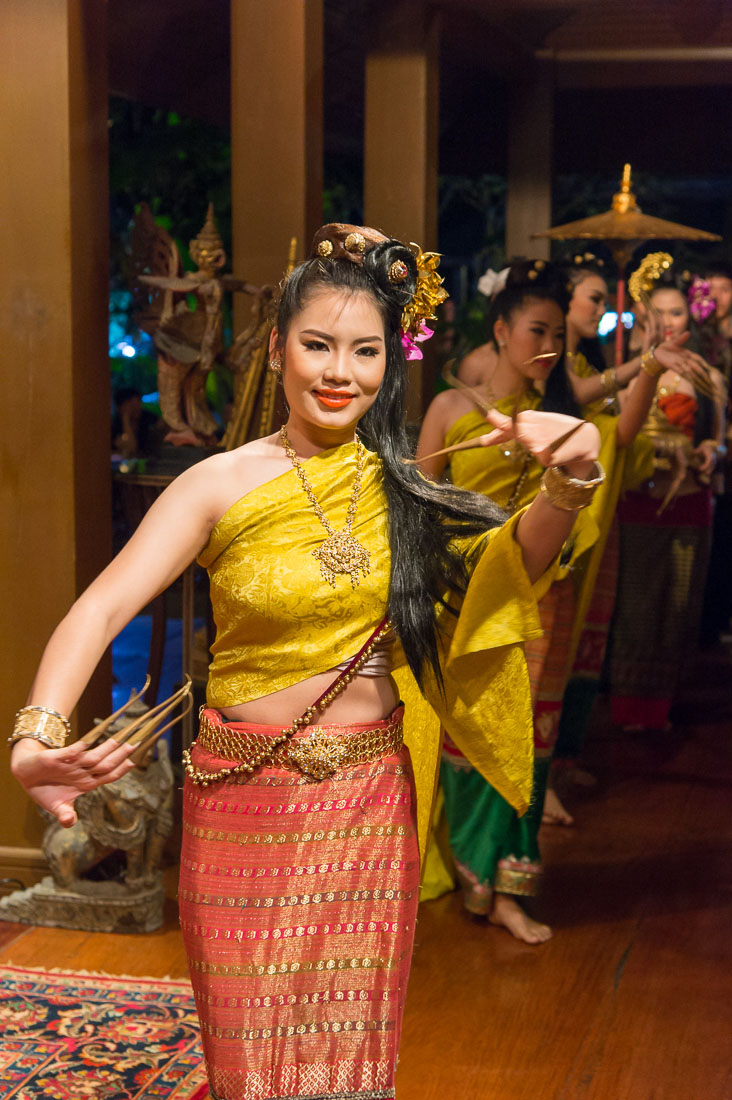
x=541, y=434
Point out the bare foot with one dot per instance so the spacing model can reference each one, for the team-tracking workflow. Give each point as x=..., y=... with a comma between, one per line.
x=554, y=811
x=580, y=777
x=508, y=914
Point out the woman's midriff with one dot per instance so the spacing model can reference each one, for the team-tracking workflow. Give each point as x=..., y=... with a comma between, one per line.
x=364, y=699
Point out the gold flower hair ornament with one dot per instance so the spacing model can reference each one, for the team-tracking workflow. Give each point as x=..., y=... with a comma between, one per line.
x=650, y=269
x=428, y=295
x=587, y=258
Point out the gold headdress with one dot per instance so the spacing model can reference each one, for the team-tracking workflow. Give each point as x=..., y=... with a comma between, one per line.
x=207, y=248
x=648, y=272
x=339, y=241
x=428, y=295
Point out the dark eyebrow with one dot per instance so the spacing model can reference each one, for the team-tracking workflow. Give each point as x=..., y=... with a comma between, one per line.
x=327, y=336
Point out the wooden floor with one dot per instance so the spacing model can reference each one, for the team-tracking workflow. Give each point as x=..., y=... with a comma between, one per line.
x=632, y=1000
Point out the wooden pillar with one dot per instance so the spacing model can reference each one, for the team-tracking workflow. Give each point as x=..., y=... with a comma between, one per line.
x=54, y=292
x=529, y=202
x=401, y=139
x=276, y=132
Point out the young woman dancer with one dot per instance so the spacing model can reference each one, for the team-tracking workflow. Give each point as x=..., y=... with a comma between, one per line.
x=665, y=535
x=333, y=563
x=600, y=390
x=496, y=853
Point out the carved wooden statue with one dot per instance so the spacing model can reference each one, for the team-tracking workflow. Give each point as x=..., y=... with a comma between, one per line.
x=130, y=819
x=187, y=340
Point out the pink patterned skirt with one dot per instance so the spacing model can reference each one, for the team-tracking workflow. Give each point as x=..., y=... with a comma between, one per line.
x=298, y=902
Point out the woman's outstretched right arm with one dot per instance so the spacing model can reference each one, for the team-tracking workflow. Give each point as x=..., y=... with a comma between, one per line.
x=169, y=537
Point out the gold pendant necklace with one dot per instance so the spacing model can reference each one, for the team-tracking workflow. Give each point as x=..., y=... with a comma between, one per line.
x=341, y=552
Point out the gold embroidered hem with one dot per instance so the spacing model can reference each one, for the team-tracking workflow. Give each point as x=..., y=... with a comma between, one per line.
x=369, y=1094
x=518, y=876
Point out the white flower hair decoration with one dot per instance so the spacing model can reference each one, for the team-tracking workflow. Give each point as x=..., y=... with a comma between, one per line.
x=492, y=282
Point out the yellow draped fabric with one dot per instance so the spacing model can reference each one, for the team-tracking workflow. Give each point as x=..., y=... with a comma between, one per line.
x=278, y=621
x=625, y=468
x=491, y=471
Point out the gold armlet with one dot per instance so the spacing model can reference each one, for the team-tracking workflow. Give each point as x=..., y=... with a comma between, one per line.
x=650, y=364
x=570, y=493
x=41, y=724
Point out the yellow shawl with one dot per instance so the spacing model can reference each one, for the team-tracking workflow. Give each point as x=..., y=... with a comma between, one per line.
x=625, y=468
x=279, y=622
x=491, y=471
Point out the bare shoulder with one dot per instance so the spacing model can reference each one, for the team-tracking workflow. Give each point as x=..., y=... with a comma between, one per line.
x=477, y=367
x=449, y=405
x=213, y=485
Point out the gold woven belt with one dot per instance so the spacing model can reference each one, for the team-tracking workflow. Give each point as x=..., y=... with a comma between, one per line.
x=317, y=755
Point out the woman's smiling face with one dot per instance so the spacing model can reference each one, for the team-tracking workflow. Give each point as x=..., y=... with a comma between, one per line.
x=333, y=361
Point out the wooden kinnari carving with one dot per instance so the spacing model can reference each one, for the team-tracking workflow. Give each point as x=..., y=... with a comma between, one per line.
x=188, y=340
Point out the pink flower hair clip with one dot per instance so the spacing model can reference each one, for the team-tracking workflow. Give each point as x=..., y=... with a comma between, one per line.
x=409, y=342
x=701, y=304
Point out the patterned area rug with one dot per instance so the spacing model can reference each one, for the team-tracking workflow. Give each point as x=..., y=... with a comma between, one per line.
x=97, y=1037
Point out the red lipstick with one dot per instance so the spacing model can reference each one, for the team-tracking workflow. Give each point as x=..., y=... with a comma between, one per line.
x=334, y=399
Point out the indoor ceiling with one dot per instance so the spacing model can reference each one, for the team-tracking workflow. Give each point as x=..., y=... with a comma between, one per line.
x=175, y=54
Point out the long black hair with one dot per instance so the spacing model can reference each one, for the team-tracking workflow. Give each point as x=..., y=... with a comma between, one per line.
x=424, y=518
x=536, y=280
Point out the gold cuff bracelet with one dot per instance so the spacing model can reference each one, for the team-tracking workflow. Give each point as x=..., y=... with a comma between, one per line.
x=41, y=724
x=570, y=493
x=650, y=364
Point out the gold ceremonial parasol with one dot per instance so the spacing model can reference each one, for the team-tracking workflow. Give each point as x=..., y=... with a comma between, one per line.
x=623, y=228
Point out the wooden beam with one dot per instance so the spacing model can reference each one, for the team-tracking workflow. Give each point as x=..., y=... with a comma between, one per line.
x=401, y=135
x=54, y=292
x=529, y=200
x=276, y=132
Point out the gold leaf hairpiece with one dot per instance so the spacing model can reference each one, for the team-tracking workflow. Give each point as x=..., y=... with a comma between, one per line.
x=428, y=295
x=650, y=269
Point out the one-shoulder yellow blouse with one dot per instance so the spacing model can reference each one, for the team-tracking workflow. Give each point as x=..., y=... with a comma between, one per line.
x=278, y=621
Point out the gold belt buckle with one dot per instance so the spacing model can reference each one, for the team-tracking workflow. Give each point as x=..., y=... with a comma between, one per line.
x=318, y=756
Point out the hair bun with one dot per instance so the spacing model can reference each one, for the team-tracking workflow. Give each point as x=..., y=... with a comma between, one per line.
x=539, y=273
x=393, y=268
x=341, y=241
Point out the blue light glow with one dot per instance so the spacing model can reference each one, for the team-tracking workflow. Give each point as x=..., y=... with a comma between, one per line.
x=609, y=322
x=128, y=351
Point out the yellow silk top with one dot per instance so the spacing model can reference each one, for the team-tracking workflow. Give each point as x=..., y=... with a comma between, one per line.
x=278, y=621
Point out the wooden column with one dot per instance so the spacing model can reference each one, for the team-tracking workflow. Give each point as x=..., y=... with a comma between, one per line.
x=276, y=132
x=529, y=203
x=54, y=291
x=401, y=138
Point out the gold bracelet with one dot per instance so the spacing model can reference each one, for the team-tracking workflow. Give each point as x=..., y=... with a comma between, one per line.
x=650, y=364
x=41, y=724
x=609, y=379
x=570, y=493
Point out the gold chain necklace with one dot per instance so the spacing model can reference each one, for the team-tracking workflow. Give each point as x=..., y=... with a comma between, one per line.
x=341, y=552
